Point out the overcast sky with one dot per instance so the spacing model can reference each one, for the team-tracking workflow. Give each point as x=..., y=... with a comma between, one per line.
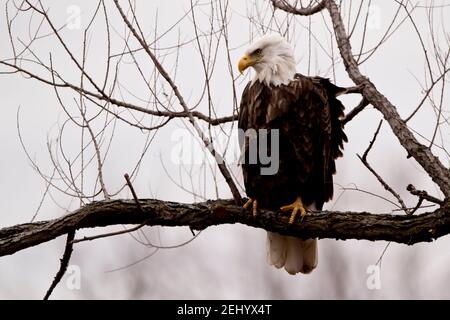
x=226, y=261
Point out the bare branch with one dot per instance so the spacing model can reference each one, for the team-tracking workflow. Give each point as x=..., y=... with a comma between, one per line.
x=64, y=263
x=423, y=195
x=328, y=224
x=360, y=107
x=110, y=234
x=379, y=178
x=159, y=113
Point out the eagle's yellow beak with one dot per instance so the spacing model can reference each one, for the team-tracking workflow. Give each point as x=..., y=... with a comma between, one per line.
x=245, y=62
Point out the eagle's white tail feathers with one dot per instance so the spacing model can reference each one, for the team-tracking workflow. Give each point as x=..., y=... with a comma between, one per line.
x=276, y=249
x=310, y=255
x=294, y=254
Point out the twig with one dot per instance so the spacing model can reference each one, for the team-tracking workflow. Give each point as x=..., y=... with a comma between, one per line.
x=418, y=205
x=136, y=199
x=424, y=195
x=350, y=90
x=119, y=103
x=360, y=107
x=371, y=143
x=379, y=178
x=64, y=263
x=110, y=234
x=382, y=254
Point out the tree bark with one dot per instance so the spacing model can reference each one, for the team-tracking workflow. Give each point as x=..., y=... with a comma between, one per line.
x=326, y=224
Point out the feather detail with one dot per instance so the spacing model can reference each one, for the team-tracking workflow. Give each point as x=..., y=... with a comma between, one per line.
x=276, y=249
x=294, y=254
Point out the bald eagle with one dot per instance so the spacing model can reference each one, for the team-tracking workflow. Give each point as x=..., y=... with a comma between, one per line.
x=307, y=118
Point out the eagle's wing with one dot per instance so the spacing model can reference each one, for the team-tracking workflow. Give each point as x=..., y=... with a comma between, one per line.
x=253, y=96
x=334, y=111
x=309, y=115
x=243, y=111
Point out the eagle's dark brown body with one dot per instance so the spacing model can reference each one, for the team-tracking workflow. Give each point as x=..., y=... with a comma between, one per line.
x=308, y=116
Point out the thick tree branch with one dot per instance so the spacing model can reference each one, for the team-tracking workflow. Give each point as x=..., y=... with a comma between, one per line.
x=338, y=225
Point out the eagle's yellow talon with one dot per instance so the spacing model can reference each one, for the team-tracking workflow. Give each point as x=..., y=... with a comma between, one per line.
x=254, y=204
x=295, y=207
x=293, y=215
x=255, y=208
x=248, y=203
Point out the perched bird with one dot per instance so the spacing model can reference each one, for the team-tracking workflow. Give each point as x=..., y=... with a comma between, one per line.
x=306, y=117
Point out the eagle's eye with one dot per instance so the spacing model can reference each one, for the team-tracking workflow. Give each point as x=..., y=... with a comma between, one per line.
x=257, y=52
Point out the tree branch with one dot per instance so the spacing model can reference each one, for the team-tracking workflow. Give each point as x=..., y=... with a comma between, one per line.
x=355, y=111
x=119, y=103
x=337, y=225
x=423, y=195
x=64, y=263
x=386, y=186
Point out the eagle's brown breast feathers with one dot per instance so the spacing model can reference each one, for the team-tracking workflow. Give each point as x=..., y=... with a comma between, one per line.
x=308, y=116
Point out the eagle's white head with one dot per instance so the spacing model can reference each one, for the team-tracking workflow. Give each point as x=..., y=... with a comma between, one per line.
x=272, y=58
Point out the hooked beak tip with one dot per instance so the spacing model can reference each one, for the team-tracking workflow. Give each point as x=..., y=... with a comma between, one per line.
x=244, y=63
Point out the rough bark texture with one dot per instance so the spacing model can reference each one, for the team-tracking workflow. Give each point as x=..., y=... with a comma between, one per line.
x=337, y=225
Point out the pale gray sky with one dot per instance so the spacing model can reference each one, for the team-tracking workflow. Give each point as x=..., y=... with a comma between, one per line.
x=225, y=261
